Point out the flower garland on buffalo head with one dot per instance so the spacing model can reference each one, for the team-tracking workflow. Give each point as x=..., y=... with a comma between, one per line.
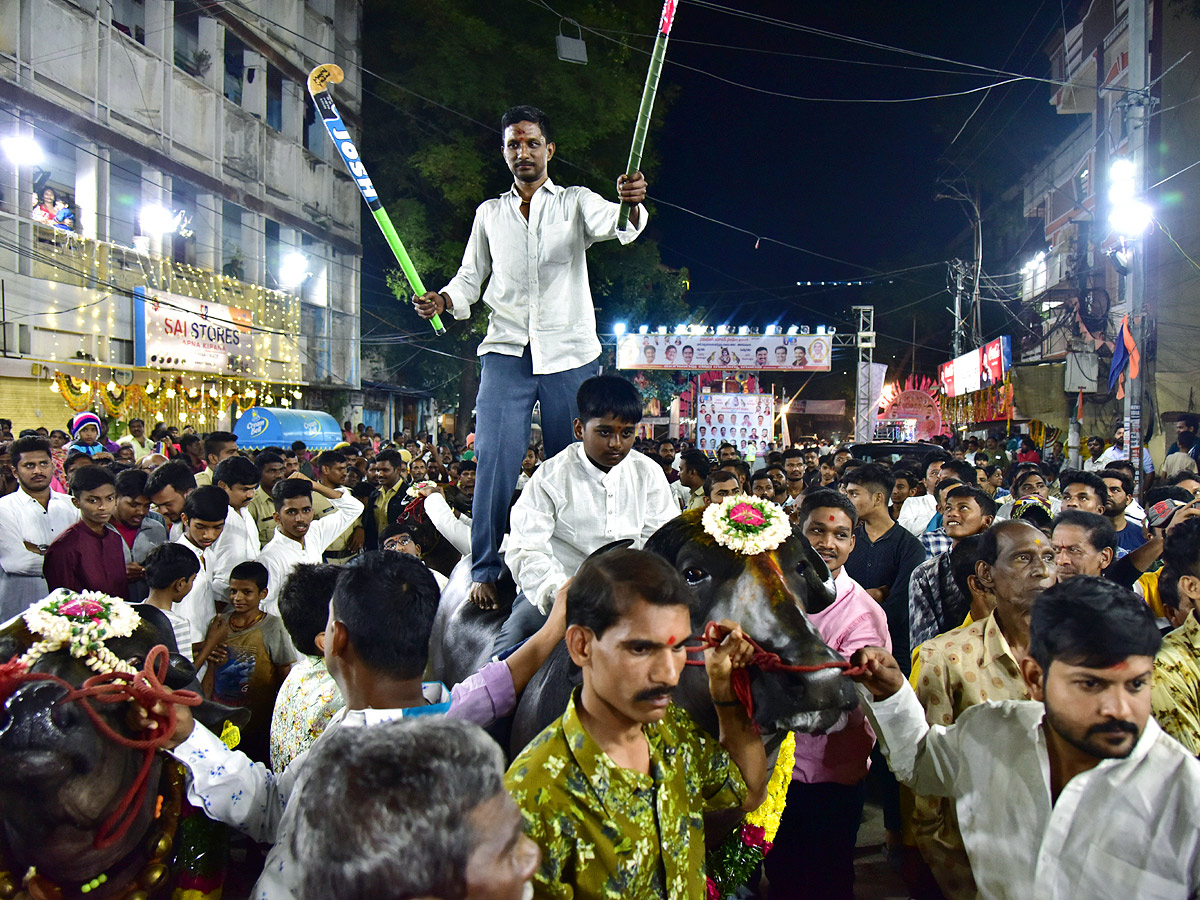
x=82, y=623
x=747, y=525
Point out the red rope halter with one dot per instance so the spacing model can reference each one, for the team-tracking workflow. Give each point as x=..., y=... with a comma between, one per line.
x=144, y=688
x=764, y=660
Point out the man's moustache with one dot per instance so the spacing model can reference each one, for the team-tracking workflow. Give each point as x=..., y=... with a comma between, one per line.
x=1115, y=727
x=654, y=694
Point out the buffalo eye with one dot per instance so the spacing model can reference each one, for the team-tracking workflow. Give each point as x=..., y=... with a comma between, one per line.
x=694, y=575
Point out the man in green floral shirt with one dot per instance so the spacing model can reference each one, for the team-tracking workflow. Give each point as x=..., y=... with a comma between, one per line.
x=613, y=793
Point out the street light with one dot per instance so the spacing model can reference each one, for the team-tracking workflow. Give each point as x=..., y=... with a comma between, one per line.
x=1127, y=215
x=293, y=269
x=23, y=150
x=158, y=219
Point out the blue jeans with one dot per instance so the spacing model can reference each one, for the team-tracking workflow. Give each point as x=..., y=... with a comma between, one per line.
x=503, y=413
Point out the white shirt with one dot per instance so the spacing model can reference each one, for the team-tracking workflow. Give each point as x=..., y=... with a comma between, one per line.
x=454, y=529
x=197, y=606
x=1125, y=829
x=916, y=513
x=23, y=519
x=538, y=291
x=238, y=543
x=571, y=508
x=282, y=554
x=249, y=796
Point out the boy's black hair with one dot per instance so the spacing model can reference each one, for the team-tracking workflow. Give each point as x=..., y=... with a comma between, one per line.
x=304, y=603
x=289, y=489
x=132, y=483
x=606, y=585
x=236, y=470
x=1091, y=479
x=793, y=454
x=716, y=475
x=467, y=465
x=1168, y=492
x=169, y=562
x=697, y=462
x=1185, y=475
x=1181, y=548
x=827, y=499
x=872, y=476
x=175, y=475
x=912, y=479
x=390, y=456
x=526, y=113
x=251, y=570
x=72, y=458
x=934, y=456
x=24, y=445
x=965, y=471
x=963, y=556
x=207, y=503
x=387, y=603
x=761, y=475
x=1099, y=530
x=266, y=458
x=329, y=458
x=1091, y=622
x=1122, y=476
x=987, y=504
x=608, y=395
x=89, y=478
x=215, y=440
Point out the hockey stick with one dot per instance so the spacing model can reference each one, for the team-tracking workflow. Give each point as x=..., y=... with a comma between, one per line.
x=648, y=92
x=319, y=80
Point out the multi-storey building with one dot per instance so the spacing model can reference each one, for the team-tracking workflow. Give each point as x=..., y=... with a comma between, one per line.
x=214, y=257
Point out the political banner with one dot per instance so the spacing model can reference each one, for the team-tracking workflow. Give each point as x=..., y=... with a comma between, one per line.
x=176, y=332
x=727, y=352
x=739, y=419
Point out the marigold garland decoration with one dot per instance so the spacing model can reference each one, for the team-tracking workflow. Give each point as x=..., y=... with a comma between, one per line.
x=747, y=525
x=731, y=864
x=81, y=622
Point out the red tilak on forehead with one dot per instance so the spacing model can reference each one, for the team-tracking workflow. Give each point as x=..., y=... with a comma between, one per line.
x=671, y=641
x=831, y=518
x=1119, y=666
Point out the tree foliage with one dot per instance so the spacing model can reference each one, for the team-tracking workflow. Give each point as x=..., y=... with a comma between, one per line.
x=449, y=69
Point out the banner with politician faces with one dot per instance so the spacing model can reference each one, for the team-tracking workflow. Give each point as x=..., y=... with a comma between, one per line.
x=729, y=352
x=739, y=419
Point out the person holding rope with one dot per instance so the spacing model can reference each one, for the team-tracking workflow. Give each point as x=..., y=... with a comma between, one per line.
x=613, y=792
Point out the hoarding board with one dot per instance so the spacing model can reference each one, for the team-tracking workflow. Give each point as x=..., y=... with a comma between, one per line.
x=978, y=369
x=739, y=419
x=176, y=332
x=727, y=352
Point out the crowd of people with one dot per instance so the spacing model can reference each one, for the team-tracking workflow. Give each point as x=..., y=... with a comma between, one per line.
x=1001, y=613
x=279, y=572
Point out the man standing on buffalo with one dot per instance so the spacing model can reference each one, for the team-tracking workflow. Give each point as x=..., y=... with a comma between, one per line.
x=541, y=342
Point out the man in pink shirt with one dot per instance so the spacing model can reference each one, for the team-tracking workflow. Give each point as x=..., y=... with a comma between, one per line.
x=814, y=849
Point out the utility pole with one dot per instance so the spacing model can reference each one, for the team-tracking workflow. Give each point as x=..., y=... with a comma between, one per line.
x=959, y=268
x=1139, y=72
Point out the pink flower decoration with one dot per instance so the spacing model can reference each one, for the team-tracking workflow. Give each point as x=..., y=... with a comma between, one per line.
x=710, y=890
x=89, y=608
x=747, y=514
x=754, y=835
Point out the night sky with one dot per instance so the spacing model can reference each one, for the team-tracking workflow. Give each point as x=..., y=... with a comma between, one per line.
x=852, y=181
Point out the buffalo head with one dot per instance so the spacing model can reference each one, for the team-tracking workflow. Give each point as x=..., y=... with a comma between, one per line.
x=768, y=594
x=60, y=778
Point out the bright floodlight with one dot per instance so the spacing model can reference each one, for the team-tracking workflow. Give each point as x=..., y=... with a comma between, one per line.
x=771, y=329
x=293, y=270
x=619, y=329
x=722, y=329
x=643, y=329
x=1131, y=219
x=793, y=329
x=662, y=329
x=22, y=150
x=157, y=219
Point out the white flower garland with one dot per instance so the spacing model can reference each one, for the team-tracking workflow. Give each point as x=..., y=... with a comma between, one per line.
x=82, y=622
x=416, y=487
x=747, y=525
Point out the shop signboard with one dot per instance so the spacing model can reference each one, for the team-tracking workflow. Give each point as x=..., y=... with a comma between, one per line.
x=176, y=332
x=726, y=352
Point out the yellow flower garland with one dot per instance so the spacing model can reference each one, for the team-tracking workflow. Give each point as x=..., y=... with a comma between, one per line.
x=768, y=814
